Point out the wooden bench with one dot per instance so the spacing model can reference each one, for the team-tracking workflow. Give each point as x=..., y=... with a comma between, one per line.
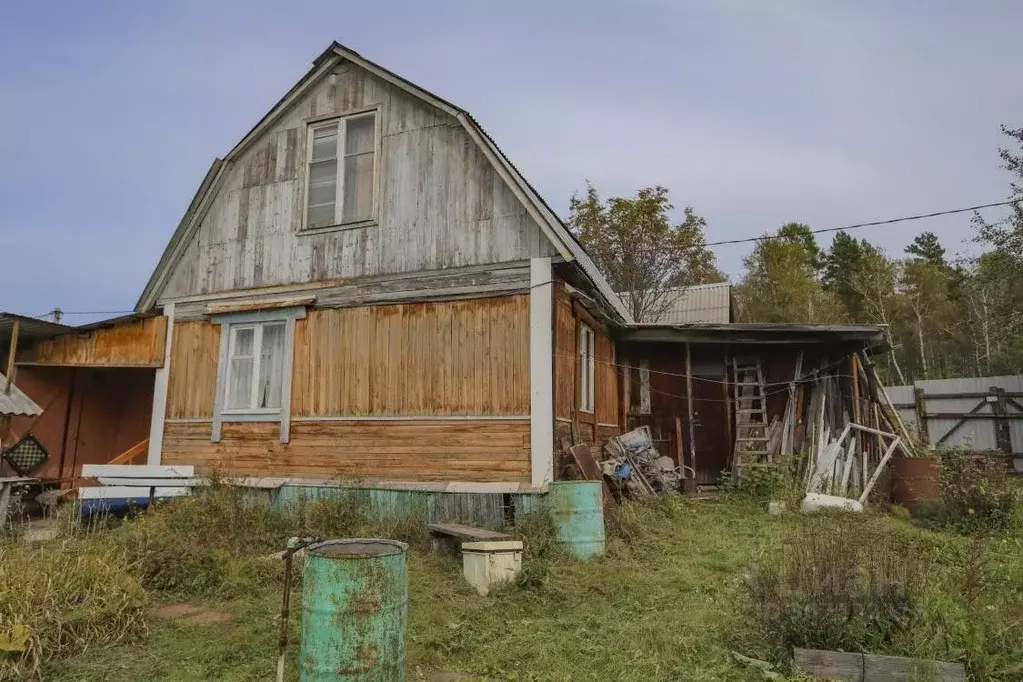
x=447, y=538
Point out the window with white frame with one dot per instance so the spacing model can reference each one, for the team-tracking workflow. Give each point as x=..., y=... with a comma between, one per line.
x=586, y=362
x=341, y=171
x=255, y=367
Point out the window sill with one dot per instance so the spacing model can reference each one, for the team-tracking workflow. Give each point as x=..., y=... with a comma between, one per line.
x=250, y=416
x=355, y=225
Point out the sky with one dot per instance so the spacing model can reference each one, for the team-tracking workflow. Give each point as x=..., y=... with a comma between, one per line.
x=753, y=112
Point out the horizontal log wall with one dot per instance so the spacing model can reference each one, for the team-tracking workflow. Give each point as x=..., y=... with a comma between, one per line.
x=420, y=450
x=137, y=343
x=454, y=358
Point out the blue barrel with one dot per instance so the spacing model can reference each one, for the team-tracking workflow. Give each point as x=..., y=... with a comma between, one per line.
x=578, y=511
x=354, y=611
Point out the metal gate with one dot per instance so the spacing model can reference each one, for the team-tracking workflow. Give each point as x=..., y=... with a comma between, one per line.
x=984, y=414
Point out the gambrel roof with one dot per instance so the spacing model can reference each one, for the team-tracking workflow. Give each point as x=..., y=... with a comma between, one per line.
x=538, y=209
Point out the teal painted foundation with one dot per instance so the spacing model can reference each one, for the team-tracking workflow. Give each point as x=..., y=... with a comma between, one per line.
x=484, y=510
x=354, y=611
x=578, y=511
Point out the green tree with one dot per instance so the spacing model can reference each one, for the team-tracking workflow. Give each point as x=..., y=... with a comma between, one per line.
x=842, y=265
x=645, y=256
x=782, y=282
x=1006, y=235
x=928, y=248
x=873, y=282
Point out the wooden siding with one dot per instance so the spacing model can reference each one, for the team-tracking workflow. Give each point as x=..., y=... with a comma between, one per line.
x=565, y=365
x=605, y=381
x=441, y=203
x=450, y=284
x=453, y=358
x=191, y=388
x=573, y=425
x=421, y=450
x=137, y=343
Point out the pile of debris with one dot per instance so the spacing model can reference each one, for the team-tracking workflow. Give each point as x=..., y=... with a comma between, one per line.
x=628, y=465
x=838, y=432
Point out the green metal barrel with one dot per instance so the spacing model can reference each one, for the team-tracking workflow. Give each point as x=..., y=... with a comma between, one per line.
x=578, y=511
x=354, y=610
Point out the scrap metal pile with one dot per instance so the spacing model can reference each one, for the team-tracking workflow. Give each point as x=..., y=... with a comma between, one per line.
x=633, y=463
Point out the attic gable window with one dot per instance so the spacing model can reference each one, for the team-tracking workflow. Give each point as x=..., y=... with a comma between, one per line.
x=341, y=171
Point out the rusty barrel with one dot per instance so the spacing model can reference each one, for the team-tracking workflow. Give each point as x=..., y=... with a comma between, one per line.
x=354, y=611
x=578, y=511
x=915, y=480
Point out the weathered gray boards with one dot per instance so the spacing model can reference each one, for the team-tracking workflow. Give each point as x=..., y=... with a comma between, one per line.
x=837, y=665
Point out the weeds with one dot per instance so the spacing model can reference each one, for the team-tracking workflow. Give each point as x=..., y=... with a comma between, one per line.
x=541, y=549
x=58, y=600
x=833, y=587
x=977, y=495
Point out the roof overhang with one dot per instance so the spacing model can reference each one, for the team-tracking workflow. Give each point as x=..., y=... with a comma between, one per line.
x=29, y=329
x=865, y=336
x=556, y=231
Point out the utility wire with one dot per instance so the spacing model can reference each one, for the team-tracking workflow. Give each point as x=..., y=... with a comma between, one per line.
x=856, y=226
x=890, y=221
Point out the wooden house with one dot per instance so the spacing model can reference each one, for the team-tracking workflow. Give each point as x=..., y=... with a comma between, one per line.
x=365, y=289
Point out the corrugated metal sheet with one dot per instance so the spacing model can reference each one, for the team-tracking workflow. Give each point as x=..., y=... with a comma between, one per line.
x=29, y=329
x=976, y=434
x=16, y=402
x=702, y=303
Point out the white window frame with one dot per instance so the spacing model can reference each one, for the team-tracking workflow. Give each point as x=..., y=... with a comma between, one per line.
x=587, y=353
x=230, y=323
x=340, y=120
x=257, y=358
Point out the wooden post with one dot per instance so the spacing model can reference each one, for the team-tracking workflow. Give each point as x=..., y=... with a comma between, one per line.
x=689, y=408
x=922, y=426
x=13, y=349
x=728, y=402
x=854, y=361
x=1003, y=438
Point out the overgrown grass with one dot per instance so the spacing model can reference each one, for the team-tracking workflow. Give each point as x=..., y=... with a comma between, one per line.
x=669, y=600
x=62, y=599
x=836, y=586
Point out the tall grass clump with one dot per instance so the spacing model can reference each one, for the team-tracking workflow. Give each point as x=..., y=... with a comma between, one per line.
x=60, y=599
x=977, y=494
x=540, y=549
x=202, y=544
x=349, y=515
x=838, y=587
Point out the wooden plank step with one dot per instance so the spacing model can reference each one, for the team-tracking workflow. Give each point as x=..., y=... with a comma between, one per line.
x=465, y=532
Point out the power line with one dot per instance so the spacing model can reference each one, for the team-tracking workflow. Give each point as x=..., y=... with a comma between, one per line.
x=856, y=226
x=874, y=223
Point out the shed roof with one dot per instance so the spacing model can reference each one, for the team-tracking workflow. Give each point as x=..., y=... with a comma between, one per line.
x=16, y=402
x=865, y=335
x=701, y=303
x=29, y=329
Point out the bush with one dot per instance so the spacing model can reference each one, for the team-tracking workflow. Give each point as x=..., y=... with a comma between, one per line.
x=834, y=587
x=61, y=599
x=977, y=495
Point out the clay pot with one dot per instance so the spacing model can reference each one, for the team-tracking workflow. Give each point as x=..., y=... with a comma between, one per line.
x=915, y=480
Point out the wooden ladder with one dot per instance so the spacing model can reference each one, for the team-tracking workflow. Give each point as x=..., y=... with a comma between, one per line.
x=750, y=411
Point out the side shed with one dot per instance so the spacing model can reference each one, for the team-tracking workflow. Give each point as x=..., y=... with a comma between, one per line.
x=682, y=380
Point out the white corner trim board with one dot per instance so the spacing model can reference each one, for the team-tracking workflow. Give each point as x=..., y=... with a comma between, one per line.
x=541, y=372
x=160, y=393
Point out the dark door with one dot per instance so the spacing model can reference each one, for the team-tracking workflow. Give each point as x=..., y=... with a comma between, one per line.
x=710, y=421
